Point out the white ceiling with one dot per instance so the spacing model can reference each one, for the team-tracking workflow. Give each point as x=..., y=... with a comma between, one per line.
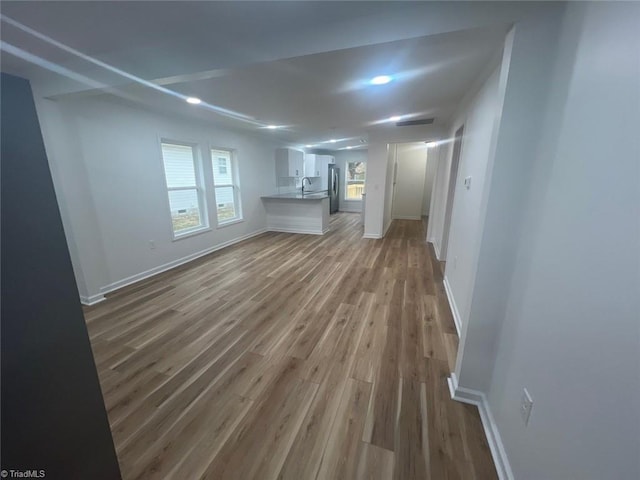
x=274, y=62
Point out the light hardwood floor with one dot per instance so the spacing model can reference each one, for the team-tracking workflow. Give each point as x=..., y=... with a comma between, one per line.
x=291, y=357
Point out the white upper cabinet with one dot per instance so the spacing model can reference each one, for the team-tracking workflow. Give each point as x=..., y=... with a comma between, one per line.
x=322, y=167
x=311, y=165
x=289, y=163
x=318, y=166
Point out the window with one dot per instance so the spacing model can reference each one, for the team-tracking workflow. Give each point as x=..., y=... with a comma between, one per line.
x=226, y=186
x=184, y=188
x=355, y=173
x=222, y=166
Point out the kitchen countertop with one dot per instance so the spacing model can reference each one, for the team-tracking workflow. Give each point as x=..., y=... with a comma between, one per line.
x=298, y=196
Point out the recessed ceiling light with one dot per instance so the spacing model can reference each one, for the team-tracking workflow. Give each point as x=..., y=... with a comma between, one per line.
x=308, y=146
x=395, y=118
x=380, y=80
x=431, y=144
x=272, y=127
x=193, y=100
x=333, y=140
x=349, y=148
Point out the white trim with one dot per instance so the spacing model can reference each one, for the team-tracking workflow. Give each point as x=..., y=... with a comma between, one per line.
x=199, y=187
x=479, y=399
x=92, y=299
x=350, y=211
x=452, y=303
x=235, y=184
x=175, y=263
x=230, y=222
x=408, y=217
x=373, y=236
x=436, y=248
x=190, y=233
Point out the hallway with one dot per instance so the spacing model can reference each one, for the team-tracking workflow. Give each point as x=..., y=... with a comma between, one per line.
x=289, y=356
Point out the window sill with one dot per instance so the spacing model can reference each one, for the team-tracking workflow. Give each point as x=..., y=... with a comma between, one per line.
x=230, y=222
x=190, y=233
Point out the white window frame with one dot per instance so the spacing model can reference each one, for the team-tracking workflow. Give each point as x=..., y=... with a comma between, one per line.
x=225, y=166
x=346, y=181
x=235, y=184
x=199, y=187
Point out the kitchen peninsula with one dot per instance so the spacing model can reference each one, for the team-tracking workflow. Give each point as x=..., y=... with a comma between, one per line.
x=297, y=213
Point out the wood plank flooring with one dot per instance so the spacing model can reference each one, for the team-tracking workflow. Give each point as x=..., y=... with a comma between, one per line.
x=289, y=357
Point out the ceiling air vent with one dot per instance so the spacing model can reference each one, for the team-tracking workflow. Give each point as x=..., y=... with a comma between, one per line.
x=422, y=121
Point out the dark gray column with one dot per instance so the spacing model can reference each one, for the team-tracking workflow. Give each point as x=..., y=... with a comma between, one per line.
x=53, y=414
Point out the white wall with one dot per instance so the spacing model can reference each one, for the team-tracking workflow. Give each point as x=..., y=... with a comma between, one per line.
x=479, y=120
x=571, y=331
x=73, y=192
x=479, y=112
x=408, y=199
x=441, y=154
x=377, y=154
x=342, y=158
x=555, y=295
x=525, y=77
x=108, y=173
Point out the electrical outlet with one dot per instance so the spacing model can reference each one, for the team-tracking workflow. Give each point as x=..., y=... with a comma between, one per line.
x=526, y=404
x=152, y=244
x=467, y=183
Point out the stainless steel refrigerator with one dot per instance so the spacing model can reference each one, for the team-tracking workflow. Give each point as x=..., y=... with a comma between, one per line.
x=334, y=188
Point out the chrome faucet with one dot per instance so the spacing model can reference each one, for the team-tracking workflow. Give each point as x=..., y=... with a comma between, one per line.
x=303, y=179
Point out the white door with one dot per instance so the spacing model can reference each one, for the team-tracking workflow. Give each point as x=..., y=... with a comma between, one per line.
x=411, y=164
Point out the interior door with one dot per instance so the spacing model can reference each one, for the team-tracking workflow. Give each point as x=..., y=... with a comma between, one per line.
x=409, y=172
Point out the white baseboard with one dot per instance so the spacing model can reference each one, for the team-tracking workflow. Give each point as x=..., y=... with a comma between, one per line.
x=452, y=303
x=374, y=236
x=350, y=210
x=410, y=217
x=92, y=299
x=436, y=248
x=479, y=399
x=175, y=263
